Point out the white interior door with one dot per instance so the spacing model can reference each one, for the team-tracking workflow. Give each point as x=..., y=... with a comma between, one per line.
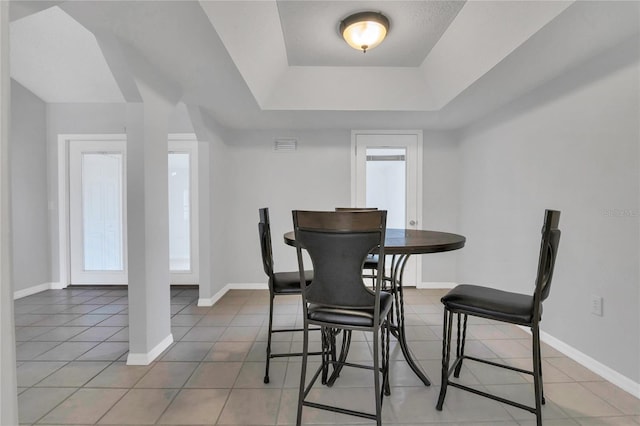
x=97, y=226
x=388, y=175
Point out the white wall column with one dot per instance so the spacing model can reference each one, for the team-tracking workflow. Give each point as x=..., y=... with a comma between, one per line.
x=211, y=282
x=8, y=382
x=205, y=294
x=148, y=227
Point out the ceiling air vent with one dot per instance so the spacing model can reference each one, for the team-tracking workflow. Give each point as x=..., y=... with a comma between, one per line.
x=285, y=145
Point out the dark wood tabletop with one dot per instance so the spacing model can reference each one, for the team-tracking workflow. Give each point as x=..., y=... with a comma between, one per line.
x=411, y=241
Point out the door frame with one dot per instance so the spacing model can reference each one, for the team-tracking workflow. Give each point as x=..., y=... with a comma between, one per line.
x=187, y=142
x=64, y=243
x=419, y=165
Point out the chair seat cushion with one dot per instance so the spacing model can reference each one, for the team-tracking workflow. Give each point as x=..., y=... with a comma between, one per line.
x=490, y=303
x=371, y=262
x=349, y=317
x=289, y=282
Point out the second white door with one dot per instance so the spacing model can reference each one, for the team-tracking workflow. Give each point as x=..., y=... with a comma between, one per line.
x=97, y=202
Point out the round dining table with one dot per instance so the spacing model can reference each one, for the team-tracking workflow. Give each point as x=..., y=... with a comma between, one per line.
x=400, y=244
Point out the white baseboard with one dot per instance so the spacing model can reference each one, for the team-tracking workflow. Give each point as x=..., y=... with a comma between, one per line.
x=19, y=294
x=436, y=285
x=597, y=367
x=586, y=361
x=232, y=286
x=58, y=286
x=147, y=358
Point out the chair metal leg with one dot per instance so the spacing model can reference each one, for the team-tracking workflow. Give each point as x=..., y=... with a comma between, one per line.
x=386, y=337
x=305, y=388
x=460, y=347
x=303, y=373
x=376, y=377
x=447, y=336
x=537, y=374
x=324, y=349
x=446, y=353
x=270, y=331
x=540, y=363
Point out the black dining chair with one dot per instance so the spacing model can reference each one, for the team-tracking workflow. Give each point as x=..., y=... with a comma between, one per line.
x=280, y=283
x=337, y=298
x=498, y=305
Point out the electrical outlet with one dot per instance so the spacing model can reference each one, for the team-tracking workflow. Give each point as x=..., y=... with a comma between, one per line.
x=596, y=305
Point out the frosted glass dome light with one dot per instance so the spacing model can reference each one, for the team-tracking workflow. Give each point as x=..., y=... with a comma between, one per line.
x=364, y=30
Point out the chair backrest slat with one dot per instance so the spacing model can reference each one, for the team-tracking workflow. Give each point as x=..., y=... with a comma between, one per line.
x=347, y=221
x=548, y=251
x=356, y=209
x=264, y=231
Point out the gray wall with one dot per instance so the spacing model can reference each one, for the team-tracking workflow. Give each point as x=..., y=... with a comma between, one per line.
x=28, y=163
x=315, y=176
x=8, y=384
x=572, y=147
x=318, y=176
x=440, y=201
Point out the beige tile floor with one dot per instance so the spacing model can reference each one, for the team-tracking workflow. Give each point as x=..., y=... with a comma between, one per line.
x=72, y=346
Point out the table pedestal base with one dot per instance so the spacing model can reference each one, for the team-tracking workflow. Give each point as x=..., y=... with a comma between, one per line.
x=398, y=263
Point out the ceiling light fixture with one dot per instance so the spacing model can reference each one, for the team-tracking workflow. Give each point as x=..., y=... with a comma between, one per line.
x=364, y=30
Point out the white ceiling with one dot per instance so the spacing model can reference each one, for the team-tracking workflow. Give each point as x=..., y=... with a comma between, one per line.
x=282, y=64
x=59, y=60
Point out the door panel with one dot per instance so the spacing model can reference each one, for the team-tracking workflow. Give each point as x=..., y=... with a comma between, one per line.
x=97, y=201
x=385, y=182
